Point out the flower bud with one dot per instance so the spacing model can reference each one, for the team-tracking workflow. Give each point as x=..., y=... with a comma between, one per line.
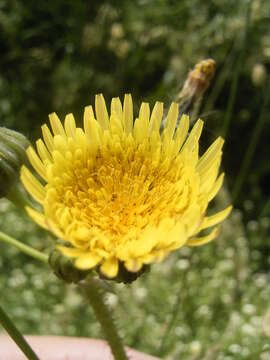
x=12, y=156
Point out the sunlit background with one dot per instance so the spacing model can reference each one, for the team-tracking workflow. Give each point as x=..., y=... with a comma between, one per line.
x=206, y=303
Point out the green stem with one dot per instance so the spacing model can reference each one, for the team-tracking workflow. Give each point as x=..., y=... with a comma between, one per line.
x=251, y=146
x=24, y=248
x=14, y=333
x=95, y=295
x=236, y=74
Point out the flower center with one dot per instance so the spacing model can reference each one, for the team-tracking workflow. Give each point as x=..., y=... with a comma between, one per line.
x=118, y=192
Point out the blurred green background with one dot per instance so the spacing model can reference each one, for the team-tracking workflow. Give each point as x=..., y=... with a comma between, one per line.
x=206, y=303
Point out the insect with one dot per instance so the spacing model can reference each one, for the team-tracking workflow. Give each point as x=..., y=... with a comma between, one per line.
x=197, y=82
x=191, y=94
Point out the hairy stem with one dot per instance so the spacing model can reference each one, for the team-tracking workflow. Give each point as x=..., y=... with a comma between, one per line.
x=95, y=295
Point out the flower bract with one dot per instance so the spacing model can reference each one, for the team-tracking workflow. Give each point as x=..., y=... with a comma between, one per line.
x=120, y=190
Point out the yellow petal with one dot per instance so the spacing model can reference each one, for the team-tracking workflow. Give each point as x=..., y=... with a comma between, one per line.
x=194, y=136
x=36, y=162
x=208, y=178
x=55, y=229
x=133, y=265
x=216, y=218
x=156, y=117
x=101, y=112
x=70, y=252
x=144, y=112
x=91, y=128
x=142, y=124
x=171, y=119
x=149, y=258
x=43, y=151
x=37, y=217
x=87, y=261
x=48, y=138
x=70, y=125
x=110, y=267
x=80, y=138
x=128, y=114
x=210, y=155
x=83, y=233
x=60, y=162
x=61, y=144
x=64, y=218
x=116, y=107
x=88, y=116
x=181, y=132
x=198, y=241
x=116, y=125
x=156, y=257
x=56, y=125
x=216, y=187
x=32, y=185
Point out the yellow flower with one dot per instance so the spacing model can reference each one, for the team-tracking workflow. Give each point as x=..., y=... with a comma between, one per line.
x=115, y=191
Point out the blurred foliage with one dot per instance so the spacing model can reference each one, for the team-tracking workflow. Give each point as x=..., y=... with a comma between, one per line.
x=55, y=56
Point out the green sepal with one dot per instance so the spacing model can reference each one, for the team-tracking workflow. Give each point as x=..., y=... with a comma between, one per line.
x=64, y=268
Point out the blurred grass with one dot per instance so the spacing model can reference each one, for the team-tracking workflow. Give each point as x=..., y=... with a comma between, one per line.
x=206, y=303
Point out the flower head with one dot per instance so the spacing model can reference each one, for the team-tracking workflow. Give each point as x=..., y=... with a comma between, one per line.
x=121, y=193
